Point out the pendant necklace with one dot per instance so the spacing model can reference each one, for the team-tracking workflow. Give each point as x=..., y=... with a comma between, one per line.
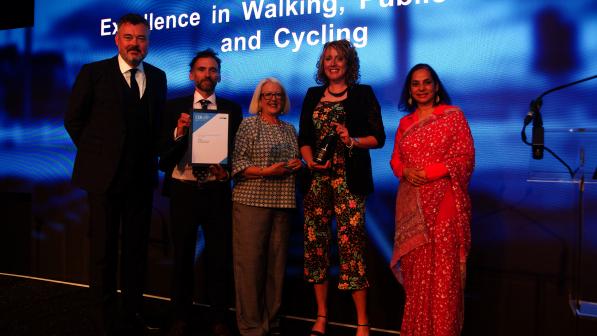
x=339, y=94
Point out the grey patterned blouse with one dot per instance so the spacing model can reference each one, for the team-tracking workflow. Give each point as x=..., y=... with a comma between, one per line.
x=261, y=144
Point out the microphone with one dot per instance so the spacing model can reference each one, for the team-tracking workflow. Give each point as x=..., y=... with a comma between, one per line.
x=534, y=108
x=537, y=143
x=535, y=116
x=538, y=136
x=538, y=133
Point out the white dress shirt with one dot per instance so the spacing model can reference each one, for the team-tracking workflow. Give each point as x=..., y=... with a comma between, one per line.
x=185, y=171
x=139, y=76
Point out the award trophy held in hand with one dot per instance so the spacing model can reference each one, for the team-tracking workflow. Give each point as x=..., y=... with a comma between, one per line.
x=326, y=147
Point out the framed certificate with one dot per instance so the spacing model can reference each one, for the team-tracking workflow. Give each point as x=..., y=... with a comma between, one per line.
x=208, y=139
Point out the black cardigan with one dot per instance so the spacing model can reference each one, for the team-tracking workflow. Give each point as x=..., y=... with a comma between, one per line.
x=363, y=118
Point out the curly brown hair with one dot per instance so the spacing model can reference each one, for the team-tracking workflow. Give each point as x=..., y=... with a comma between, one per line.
x=346, y=49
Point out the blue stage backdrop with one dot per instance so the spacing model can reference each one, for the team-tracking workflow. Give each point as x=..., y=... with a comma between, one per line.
x=494, y=57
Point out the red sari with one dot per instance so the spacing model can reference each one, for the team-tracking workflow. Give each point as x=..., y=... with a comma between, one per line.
x=432, y=237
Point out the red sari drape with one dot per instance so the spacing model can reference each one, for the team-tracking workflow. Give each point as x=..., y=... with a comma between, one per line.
x=432, y=236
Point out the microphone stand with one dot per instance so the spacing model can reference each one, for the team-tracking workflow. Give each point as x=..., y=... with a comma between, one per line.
x=535, y=116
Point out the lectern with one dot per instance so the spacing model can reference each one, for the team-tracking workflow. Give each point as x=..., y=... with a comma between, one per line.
x=577, y=147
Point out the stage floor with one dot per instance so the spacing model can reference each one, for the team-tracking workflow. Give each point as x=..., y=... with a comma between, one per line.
x=36, y=307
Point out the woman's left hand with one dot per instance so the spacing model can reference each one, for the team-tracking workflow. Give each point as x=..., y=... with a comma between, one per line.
x=294, y=164
x=342, y=133
x=415, y=176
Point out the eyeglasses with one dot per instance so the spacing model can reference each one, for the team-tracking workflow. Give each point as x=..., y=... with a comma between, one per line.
x=271, y=95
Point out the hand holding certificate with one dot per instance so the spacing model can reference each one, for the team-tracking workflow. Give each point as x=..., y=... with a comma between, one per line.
x=209, y=138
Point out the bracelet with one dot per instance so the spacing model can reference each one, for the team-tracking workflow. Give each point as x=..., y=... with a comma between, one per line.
x=355, y=140
x=349, y=146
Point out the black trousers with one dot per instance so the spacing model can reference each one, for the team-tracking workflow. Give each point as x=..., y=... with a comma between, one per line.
x=119, y=232
x=210, y=207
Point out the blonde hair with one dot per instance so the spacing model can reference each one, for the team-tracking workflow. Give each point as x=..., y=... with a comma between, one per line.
x=255, y=106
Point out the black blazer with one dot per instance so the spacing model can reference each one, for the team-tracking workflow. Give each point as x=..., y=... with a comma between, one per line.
x=95, y=121
x=363, y=118
x=172, y=151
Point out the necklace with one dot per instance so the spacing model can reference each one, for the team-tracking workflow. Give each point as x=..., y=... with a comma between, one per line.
x=339, y=94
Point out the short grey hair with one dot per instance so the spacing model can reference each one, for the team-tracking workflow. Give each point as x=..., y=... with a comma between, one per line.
x=255, y=106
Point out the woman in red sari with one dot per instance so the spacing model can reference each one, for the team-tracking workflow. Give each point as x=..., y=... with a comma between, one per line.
x=433, y=158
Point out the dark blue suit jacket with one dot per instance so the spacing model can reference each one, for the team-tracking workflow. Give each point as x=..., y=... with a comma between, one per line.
x=95, y=121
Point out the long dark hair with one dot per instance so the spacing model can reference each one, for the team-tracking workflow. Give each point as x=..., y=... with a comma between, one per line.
x=403, y=103
x=346, y=49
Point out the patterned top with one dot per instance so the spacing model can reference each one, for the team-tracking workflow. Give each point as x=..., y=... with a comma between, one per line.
x=325, y=113
x=261, y=144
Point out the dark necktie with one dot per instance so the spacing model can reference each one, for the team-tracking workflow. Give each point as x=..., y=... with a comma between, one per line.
x=202, y=173
x=134, y=85
x=204, y=103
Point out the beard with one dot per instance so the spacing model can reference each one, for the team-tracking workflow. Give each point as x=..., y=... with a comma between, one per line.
x=206, y=84
x=135, y=58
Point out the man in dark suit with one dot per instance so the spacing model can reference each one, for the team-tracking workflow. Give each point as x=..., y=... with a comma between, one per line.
x=114, y=119
x=199, y=197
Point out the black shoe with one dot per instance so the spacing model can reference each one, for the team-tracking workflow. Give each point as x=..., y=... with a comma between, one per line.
x=137, y=325
x=179, y=328
x=275, y=331
x=220, y=329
